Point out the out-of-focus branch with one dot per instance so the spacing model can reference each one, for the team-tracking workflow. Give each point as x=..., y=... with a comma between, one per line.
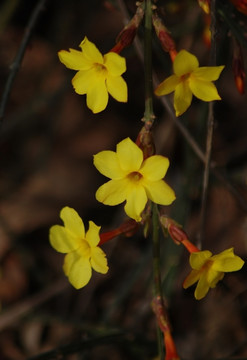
x=19, y=56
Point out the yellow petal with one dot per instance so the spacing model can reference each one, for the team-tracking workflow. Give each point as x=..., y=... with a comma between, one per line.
x=154, y=167
x=159, y=192
x=92, y=235
x=191, y=279
x=130, y=155
x=113, y=192
x=184, y=63
x=182, y=98
x=117, y=88
x=99, y=261
x=136, y=201
x=97, y=95
x=72, y=222
x=203, y=90
x=91, y=52
x=77, y=269
x=208, y=73
x=83, y=80
x=115, y=64
x=227, y=261
x=202, y=287
x=198, y=259
x=74, y=59
x=61, y=240
x=106, y=162
x=217, y=277
x=167, y=86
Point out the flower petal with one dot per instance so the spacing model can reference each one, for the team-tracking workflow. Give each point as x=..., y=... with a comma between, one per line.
x=159, y=192
x=74, y=59
x=198, y=259
x=208, y=73
x=203, y=90
x=202, y=287
x=182, y=98
x=77, y=269
x=167, y=86
x=117, y=88
x=98, y=260
x=63, y=241
x=91, y=52
x=115, y=64
x=136, y=201
x=92, y=235
x=191, y=279
x=227, y=261
x=213, y=277
x=83, y=80
x=154, y=167
x=113, y=192
x=107, y=163
x=184, y=63
x=130, y=155
x=97, y=95
x=72, y=221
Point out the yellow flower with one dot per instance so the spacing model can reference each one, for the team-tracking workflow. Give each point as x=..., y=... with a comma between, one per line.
x=190, y=79
x=83, y=254
x=208, y=269
x=132, y=178
x=97, y=75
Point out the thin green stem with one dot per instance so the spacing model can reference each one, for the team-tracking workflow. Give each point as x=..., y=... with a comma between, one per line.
x=148, y=114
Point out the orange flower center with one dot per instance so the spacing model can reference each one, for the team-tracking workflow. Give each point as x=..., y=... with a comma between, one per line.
x=185, y=77
x=135, y=176
x=100, y=68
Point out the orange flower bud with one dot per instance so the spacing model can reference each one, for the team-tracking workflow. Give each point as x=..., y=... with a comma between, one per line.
x=205, y=5
x=127, y=35
x=238, y=67
x=164, y=36
x=145, y=142
x=241, y=5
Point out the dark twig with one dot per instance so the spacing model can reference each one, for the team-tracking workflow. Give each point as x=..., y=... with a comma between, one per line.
x=19, y=56
x=210, y=130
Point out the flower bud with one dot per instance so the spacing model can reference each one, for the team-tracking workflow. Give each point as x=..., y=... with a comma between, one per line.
x=238, y=67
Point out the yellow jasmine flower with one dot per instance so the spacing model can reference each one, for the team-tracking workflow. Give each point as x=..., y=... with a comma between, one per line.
x=190, y=79
x=132, y=178
x=83, y=254
x=97, y=75
x=208, y=269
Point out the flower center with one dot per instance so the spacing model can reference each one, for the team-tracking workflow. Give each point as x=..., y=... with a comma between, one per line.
x=185, y=77
x=100, y=68
x=135, y=176
x=85, y=249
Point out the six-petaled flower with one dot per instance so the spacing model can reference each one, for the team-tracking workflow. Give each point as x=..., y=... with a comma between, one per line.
x=82, y=251
x=132, y=178
x=190, y=79
x=209, y=269
x=97, y=74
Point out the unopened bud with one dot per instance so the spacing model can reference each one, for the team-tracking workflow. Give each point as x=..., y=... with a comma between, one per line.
x=145, y=142
x=241, y=5
x=205, y=5
x=164, y=36
x=238, y=67
x=127, y=35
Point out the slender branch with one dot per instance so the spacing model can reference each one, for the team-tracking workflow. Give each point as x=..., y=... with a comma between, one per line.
x=19, y=56
x=210, y=131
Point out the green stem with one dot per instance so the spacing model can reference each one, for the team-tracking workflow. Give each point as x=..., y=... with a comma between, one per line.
x=148, y=114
